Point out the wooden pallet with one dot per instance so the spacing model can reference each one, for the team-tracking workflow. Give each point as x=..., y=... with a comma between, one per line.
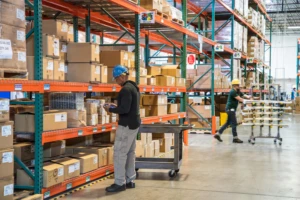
x=13, y=74
x=159, y=13
x=178, y=21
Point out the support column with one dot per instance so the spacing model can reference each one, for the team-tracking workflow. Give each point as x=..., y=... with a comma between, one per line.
x=88, y=26
x=146, y=51
x=75, y=28
x=174, y=55
x=137, y=47
x=38, y=109
x=213, y=17
x=270, y=75
x=232, y=43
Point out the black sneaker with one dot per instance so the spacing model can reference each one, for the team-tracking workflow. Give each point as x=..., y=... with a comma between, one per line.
x=130, y=185
x=218, y=138
x=237, y=140
x=116, y=188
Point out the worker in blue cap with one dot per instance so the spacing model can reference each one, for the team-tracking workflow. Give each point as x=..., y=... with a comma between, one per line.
x=128, y=126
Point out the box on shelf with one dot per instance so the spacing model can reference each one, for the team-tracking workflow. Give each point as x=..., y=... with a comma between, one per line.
x=50, y=46
x=6, y=163
x=12, y=14
x=149, y=150
x=24, y=151
x=154, y=71
x=108, y=137
x=119, y=58
x=143, y=80
x=52, y=120
x=171, y=70
x=6, y=134
x=88, y=162
x=102, y=153
x=139, y=150
x=156, y=110
x=63, y=49
x=80, y=141
x=156, y=147
x=16, y=35
x=165, y=81
x=165, y=145
x=54, y=149
x=142, y=112
x=172, y=108
x=71, y=167
x=54, y=174
x=23, y=179
x=110, y=151
x=91, y=108
x=7, y=188
x=152, y=4
x=83, y=72
x=48, y=68
x=146, y=138
x=76, y=118
x=15, y=59
x=83, y=53
x=151, y=81
x=180, y=82
x=56, y=27
x=4, y=110
x=103, y=74
x=70, y=37
x=204, y=110
x=143, y=71
x=92, y=120
x=149, y=100
x=59, y=70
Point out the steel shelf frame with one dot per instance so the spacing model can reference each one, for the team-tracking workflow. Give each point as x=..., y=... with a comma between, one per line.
x=298, y=67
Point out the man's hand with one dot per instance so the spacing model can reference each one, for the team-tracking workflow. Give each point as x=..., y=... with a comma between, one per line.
x=106, y=107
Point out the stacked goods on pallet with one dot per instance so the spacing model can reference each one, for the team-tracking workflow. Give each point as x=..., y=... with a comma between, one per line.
x=6, y=152
x=155, y=105
x=262, y=27
x=103, y=117
x=152, y=5
x=204, y=82
x=253, y=17
x=250, y=79
x=261, y=50
x=240, y=7
x=220, y=103
x=12, y=39
x=120, y=57
x=238, y=36
x=253, y=47
x=297, y=105
x=245, y=41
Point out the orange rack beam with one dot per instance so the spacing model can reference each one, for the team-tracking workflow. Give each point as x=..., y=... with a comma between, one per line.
x=241, y=19
x=149, y=88
x=298, y=56
x=258, y=2
x=51, y=136
x=219, y=90
x=77, y=181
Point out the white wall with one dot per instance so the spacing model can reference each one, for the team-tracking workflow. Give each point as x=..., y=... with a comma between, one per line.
x=283, y=56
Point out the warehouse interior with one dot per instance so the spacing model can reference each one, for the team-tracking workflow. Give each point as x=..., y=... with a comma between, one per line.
x=149, y=99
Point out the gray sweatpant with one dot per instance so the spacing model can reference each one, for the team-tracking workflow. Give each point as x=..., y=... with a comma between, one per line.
x=124, y=155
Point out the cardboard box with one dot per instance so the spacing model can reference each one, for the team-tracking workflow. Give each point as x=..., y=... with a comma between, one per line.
x=63, y=48
x=119, y=58
x=165, y=81
x=171, y=70
x=172, y=108
x=204, y=110
x=156, y=147
x=7, y=188
x=71, y=167
x=50, y=46
x=70, y=37
x=34, y=197
x=12, y=14
x=54, y=149
x=80, y=141
x=4, y=110
x=149, y=150
x=152, y=4
x=156, y=110
x=149, y=100
x=83, y=53
x=146, y=138
x=142, y=112
x=48, y=68
x=6, y=135
x=16, y=58
x=139, y=150
x=151, y=81
x=24, y=151
x=143, y=80
x=91, y=108
x=56, y=27
x=162, y=135
x=6, y=163
x=180, y=82
x=102, y=153
x=165, y=145
x=88, y=162
x=52, y=120
x=23, y=179
x=76, y=118
x=154, y=71
x=59, y=70
x=110, y=152
x=16, y=35
x=54, y=174
x=102, y=119
x=83, y=72
x=103, y=74
x=92, y=120
x=108, y=137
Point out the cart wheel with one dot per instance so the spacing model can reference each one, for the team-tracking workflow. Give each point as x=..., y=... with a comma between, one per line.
x=280, y=139
x=253, y=143
x=172, y=173
x=249, y=141
x=280, y=143
x=275, y=141
x=254, y=139
x=177, y=170
x=137, y=169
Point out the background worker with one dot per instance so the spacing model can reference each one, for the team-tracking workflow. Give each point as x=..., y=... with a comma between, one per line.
x=128, y=127
x=235, y=96
x=294, y=94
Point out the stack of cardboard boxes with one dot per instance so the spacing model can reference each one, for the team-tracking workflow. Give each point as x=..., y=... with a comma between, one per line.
x=155, y=105
x=6, y=152
x=253, y=47
x=253, y=17
x=297, y=105
x=12, y=37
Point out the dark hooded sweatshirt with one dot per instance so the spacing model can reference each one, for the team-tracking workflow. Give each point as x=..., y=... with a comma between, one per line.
x=128, y=106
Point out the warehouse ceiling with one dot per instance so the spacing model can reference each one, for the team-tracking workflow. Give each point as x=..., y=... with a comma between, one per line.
x=285, y=15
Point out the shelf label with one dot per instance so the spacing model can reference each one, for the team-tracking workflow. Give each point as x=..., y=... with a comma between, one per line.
x=107, y=172
x=148, y=17
x=103, y=128
x=80, y=132
x=237, y=55
x=219, y=48
x=88, y=179
x=113, y=126
x=250, y=60
x=18, y=87
x=160, y=119
x=162, y=90
x=168, y=89
x=179, y=117
x=153, y=89
x=144, y=89
x=90, y=88
x=95, y=129
x=260, y=64
x=46, y=194
x=114, y=88
x=69, y=186
x=46, y=86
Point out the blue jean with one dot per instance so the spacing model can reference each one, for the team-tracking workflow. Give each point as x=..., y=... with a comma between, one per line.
x=231, y=120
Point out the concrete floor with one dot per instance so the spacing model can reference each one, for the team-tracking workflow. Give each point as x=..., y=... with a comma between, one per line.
x=213, y=171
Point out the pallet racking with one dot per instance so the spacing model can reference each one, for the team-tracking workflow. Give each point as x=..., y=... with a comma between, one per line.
x=298, y=67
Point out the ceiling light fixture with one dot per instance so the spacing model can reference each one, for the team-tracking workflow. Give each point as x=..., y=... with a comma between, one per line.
x=294, y=27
